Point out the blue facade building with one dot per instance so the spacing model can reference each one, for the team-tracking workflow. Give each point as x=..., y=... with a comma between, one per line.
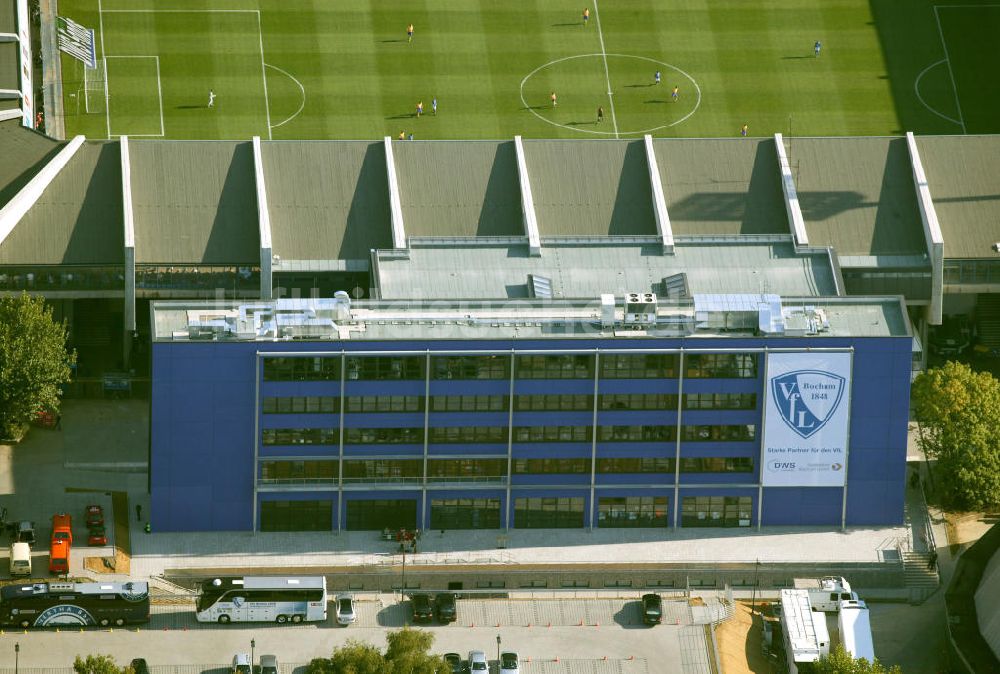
x=321, y=416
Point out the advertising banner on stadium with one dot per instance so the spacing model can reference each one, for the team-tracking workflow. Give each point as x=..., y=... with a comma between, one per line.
x=807, y=417
x=76, y=41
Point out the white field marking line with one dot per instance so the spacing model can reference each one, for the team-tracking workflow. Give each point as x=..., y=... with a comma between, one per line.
x=611, y=133
x=263, y=74
x=947, y=58
x=179, y=11
x=916, y=90
x=604, y=56
x=159, y=90
x=104, y=59
x=302, y=105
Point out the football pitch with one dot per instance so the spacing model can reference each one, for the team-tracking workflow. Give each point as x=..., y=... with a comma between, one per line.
x=318, y=69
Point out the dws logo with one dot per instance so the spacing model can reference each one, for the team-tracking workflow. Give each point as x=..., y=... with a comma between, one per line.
x=806, y=399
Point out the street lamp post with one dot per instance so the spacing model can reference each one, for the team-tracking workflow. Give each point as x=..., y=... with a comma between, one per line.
x=753, y=595
x=498, y=649
x=17, y=650
x=253, y=645
x=402, y=589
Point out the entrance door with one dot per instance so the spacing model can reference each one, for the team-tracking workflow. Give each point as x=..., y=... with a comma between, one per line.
x=392, y=514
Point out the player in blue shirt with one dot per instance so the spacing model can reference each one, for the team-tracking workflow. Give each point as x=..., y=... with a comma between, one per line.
x=817, y=47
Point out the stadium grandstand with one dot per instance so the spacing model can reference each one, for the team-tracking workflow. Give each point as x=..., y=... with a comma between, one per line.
x=16, y=63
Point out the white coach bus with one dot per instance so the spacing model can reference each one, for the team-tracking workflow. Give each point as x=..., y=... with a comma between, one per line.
x=279, y=599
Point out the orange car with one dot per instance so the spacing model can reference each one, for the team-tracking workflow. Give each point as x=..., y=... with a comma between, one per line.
x=62, y=528
x=59, y=556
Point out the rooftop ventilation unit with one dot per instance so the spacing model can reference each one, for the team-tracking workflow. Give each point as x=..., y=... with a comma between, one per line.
x=607, y=311
x=737, y=312
x=539, y=287
x=640, y=309
x=675, y=287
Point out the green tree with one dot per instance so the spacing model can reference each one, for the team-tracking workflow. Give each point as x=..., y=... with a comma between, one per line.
x=959, y=413
x=33, y=361
x=358, y=657
x=408, y=651
x=97, y=664
x=840, y=662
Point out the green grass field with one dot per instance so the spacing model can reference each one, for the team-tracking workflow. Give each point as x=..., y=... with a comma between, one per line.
x=296, y=69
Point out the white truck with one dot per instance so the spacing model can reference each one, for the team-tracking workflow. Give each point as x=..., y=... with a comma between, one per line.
x=826, y=593
x=20, y=560
x=855, y=629
x=804, y=631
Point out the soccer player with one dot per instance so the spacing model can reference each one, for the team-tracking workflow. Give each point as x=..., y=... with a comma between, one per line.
x=409, y=33
x=586, y=16
x=434, y=105
x=211, y=98
x=600, y=114
x=675, y=93
x=817, y=47
x=553, y=97
x=656, y=77
x=420, y=108
x=744, y=130
x=402, y=135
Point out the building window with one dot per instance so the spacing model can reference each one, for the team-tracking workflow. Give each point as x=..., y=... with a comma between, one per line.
x=468, y=434
x=720, y=365
x=475, y=403
x=635, y=464
x=298, y=472
x=300, y=436
x=548, y=513
x=383, y=470
x=715, y=511
x=471, y=367
x=354, y=404
x=555, y=402
x=638, y=365
x=717, y=464
x=632, y=511
x=383, y=436
x=735, y=433
x=556, y=366
x=720, y=401
x=380, y=514
x=637, y=433
x=552, y=433
x=465, y=513
x=296, y=515
x=638, y=401
x=302, y=368
x=382, y=368
x=472, y=470
x=300, y=405
x=546, y=466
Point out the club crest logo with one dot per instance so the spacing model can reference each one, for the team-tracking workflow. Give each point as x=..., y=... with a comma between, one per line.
x=806, y=399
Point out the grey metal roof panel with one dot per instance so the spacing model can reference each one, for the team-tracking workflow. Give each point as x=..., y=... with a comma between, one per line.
x=9, y=76
x=8, y=16
x=590, y=187
x=24, y=153
x=719, y=187
x=496, y=272
x=327, y=200
x=78, y=218
x=857, y=194
x=194, y=202
x=963, y=173
x=459, y=188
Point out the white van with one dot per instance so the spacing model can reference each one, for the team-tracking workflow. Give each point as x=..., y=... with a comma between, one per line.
x=20, y=559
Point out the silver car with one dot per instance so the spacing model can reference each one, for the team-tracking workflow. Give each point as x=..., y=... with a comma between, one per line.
x=268, y=664
x=477, y=663
x=345, y=610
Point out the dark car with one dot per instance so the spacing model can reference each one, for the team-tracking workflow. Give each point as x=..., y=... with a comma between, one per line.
x=454, y=660
x=652, y=609
x=423, y=611
x=22, y=532
x=444, y=606
x=97, y=536
x=139, y=666
x=94, y=515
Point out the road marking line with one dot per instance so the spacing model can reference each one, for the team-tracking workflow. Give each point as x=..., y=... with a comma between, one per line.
x=607, y=76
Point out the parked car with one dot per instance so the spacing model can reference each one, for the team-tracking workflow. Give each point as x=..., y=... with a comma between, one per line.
x=445, y=608
x=345, y=610
x=241, y=664
x=139, y=666
x=652, y=609
x=423, y=610
x=477, y=662
x=94, y=516
x=62, y=528
x=509, y=663
x=455, y=661
x=97, y=536
x=268, y=664
x=59, y=557
x=22, y=532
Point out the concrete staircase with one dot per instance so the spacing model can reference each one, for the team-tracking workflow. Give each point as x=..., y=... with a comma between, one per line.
x=921, y=581
x=988, y=320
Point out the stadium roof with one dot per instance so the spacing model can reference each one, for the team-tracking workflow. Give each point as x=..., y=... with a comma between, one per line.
x=590, y=187
x=8, y=12
x=581, y=271
x=461, y=188
x=78, y=218
x=22, y=154
x=963, y=173
x=326, y=200
x=9, y=76
x=194, y=203
x=857, y=194
x=720, y=187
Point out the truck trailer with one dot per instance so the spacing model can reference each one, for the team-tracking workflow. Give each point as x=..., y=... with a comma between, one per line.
x=825, y=594
x=855, y=629
x=804, y=631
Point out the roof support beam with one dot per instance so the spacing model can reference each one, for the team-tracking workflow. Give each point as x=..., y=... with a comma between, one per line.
x=22, y=202
x=24, y=46
x=395, y=205
x=10, y=114
x=792, y=209
x=527, y=201
x=8, y=37
x=263, y=222
x=663, y=228
x=932, y=231
x=129, y=239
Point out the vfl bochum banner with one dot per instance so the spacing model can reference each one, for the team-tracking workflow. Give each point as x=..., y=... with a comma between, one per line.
x=76, y=41
x=807, y=419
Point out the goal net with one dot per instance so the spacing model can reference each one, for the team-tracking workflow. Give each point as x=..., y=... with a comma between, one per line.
x=94, y=97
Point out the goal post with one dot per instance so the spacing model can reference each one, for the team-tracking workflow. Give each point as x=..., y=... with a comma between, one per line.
x=94, y=94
